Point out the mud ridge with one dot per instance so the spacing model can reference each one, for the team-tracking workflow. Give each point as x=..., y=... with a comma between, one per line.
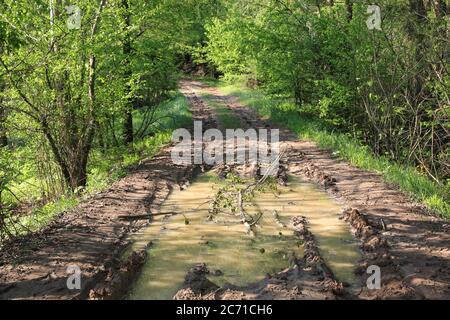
x=306, y=278
x=376, y=251
x=118, y=279
x=313, y=259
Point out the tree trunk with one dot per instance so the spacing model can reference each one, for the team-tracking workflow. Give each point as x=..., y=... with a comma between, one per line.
x=349, y=6
x=440, y=8
x=70, y=147
x=128, y=135
x=418, y=9
x=3, y=136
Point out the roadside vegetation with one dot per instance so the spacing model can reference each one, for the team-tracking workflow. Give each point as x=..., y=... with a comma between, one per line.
x=377, y=95
x=86, y=91
x=105, y=167
x=343, y=145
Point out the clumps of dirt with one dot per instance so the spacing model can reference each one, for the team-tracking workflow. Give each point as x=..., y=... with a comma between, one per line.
x=282, y=175
x=196, y=285
x=223, y=170
x=314, y=173
x=368, y=232
x=305, y=278
x=376, y=251
x=250, y=171
x=118, y=278
x=313, y=259
x=363, y=228
x=190, y=173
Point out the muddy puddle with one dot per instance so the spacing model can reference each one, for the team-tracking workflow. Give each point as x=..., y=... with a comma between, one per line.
x=179, y=241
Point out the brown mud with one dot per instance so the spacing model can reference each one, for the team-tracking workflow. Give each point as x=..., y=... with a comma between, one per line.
x=411, y=247
x=306, y=278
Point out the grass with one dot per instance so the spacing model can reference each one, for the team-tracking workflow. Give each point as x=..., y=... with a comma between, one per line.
x=225, y=117
x=107, y=166
x=408, y=179
x=110, y=165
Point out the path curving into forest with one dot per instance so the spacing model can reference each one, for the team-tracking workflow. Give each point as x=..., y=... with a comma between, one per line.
x=411, y=247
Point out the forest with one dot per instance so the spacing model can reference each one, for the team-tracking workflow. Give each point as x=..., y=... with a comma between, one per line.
x=91, y=92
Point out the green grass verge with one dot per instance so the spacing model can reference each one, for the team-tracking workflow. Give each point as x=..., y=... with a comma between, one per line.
x=225, y=116
x=409, y=179
x=107, y=166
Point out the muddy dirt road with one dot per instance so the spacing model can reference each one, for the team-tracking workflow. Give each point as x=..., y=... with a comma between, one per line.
x=411, y=248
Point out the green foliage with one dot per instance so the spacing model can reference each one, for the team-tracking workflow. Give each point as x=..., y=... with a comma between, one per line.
x=65, y=94
x=105, y=167
x=387, y=88
x=111, y=164
x=344, y=146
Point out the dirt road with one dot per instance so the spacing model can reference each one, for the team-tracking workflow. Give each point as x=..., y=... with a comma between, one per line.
x=411, y=247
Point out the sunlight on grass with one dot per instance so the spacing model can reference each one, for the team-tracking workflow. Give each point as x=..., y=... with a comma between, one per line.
x=225, y=116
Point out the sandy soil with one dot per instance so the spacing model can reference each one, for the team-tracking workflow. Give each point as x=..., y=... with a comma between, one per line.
x=411, y=247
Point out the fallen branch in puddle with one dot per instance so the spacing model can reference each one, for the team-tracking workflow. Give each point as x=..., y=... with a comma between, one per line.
x=231, y=199
x=277, y=219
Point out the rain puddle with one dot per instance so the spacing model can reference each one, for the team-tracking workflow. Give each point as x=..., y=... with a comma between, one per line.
x=180, y=241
